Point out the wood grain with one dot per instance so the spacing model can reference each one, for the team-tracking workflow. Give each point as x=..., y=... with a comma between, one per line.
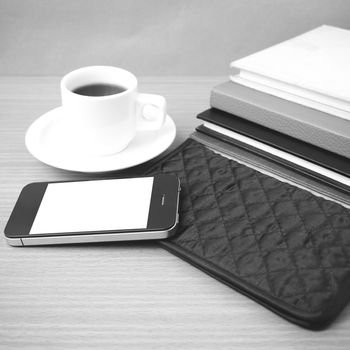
x=115, y=296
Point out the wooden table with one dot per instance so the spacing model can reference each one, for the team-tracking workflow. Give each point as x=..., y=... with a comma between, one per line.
x=116, y=296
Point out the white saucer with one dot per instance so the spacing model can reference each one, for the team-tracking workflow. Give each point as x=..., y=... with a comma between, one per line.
x=48, y=140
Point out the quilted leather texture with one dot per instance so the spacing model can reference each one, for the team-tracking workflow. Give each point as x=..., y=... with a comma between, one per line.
x=283, y=246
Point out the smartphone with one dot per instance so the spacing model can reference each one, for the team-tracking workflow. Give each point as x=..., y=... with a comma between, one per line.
x=95, y=211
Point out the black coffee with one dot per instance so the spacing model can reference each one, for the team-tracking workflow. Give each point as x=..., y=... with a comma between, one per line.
x=99, y=89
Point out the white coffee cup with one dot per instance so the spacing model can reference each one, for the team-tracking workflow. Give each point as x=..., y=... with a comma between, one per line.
x=105, y=125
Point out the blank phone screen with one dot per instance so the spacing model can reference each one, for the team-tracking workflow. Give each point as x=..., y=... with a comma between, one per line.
x=102, y=205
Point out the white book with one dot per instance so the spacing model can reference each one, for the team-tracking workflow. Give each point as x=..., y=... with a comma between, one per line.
x=279, y=153
x=311, y=69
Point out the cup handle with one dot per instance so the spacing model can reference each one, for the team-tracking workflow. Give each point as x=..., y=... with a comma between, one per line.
x=151, y=111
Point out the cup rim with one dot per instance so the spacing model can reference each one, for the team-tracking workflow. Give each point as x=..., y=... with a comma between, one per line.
x=71, y=75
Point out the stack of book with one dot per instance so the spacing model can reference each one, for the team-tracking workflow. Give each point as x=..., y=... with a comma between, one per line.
x=290, y=104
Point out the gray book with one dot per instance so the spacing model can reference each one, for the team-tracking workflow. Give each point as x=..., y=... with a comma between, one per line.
x=304, y=123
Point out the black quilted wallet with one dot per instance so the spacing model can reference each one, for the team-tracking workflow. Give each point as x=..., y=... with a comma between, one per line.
x=282, y=246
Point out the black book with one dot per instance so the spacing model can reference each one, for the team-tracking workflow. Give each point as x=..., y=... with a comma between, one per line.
x=221, y=125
